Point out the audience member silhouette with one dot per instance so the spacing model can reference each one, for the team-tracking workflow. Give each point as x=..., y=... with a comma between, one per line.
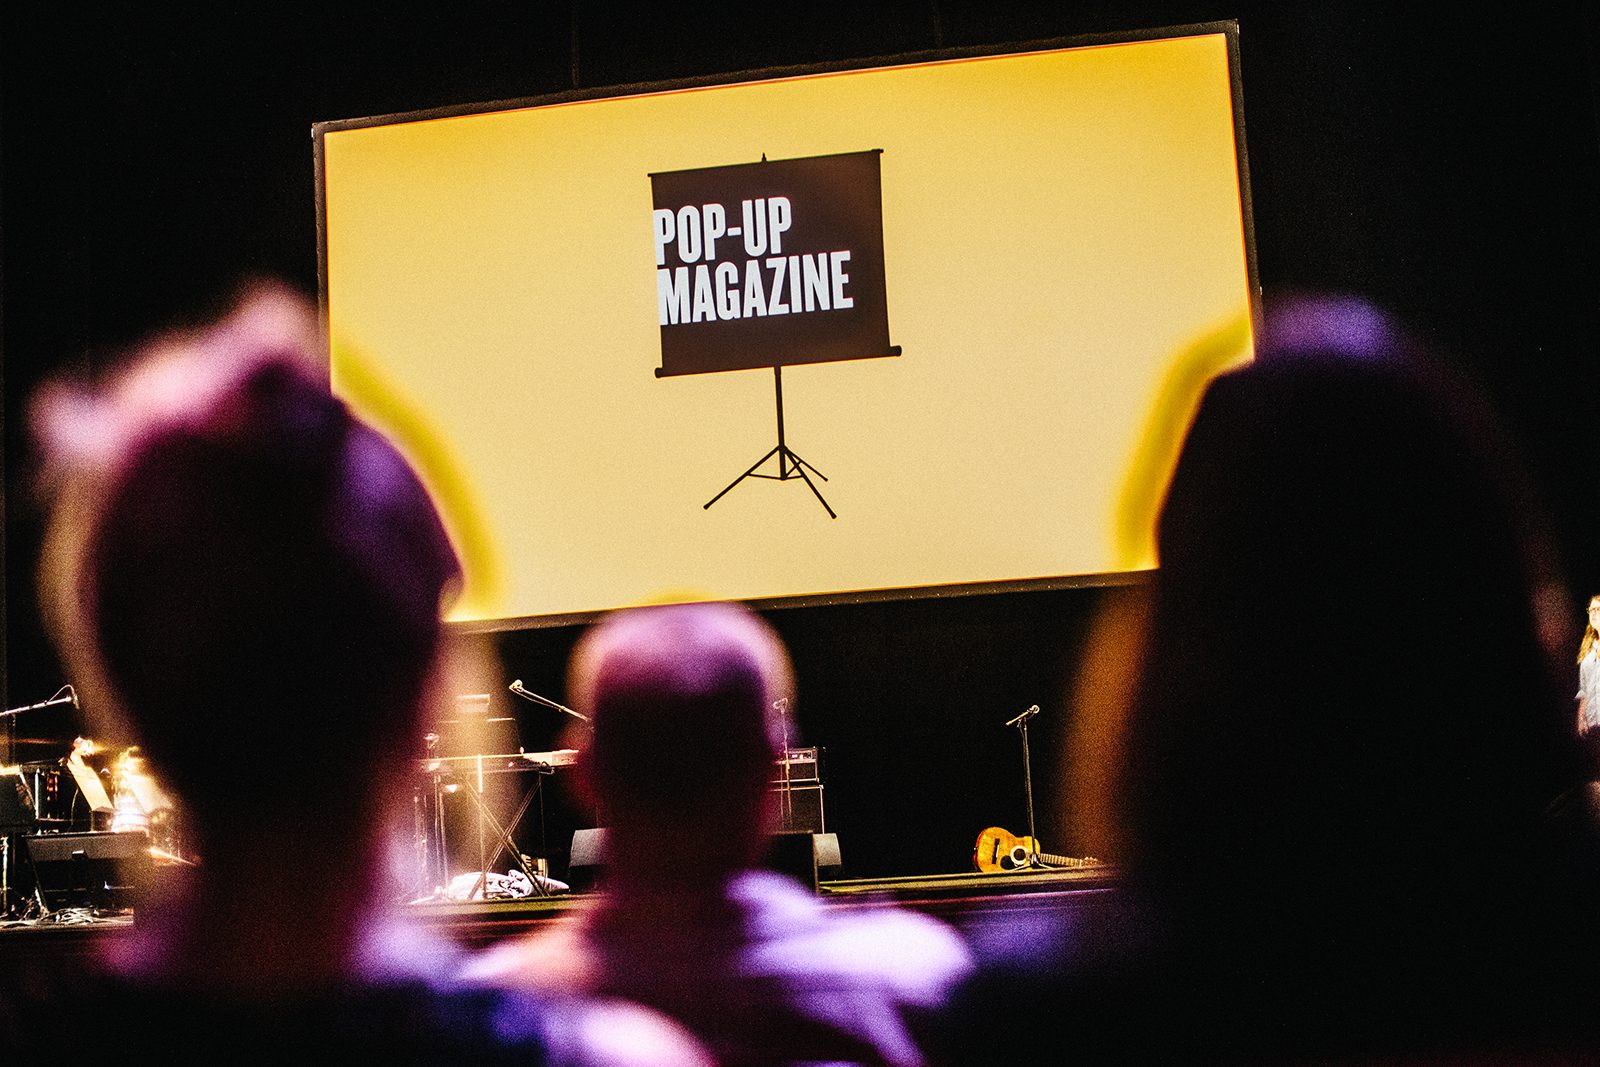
x=251, y=578
x=1344, y=743
x=686, y=732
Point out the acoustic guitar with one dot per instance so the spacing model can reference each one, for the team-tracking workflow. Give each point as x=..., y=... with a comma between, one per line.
x=1001, y=850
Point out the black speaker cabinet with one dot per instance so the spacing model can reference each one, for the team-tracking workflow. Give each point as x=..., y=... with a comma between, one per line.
x=588, y=857
x=812, y=858
x=799, y=808
x=91, y=870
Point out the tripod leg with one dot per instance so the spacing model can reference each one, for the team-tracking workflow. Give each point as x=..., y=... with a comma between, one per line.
x=794, y=458
x=816, y=492
x=742, y=477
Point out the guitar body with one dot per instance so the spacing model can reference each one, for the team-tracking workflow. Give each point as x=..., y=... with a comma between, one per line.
x=998, y=849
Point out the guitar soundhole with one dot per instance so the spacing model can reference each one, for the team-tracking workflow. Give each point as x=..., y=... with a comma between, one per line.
x=1019, y=856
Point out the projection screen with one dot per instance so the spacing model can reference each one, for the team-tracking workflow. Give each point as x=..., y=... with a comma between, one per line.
x=1064, y=257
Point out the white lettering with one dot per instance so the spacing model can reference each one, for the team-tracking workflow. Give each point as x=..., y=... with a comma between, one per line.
x=689, y=233
x=754, y=213
x=672, y=294
x=716, y=224
x=782, y=215
x=776, y=306
x=727, y=291
x=664, y=230
x=755, y=299
x=840, y=278
x=705, y=309
x=816, y=275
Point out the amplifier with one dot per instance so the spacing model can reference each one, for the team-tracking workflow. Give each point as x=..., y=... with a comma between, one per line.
x=796, y=765
x=799, y=808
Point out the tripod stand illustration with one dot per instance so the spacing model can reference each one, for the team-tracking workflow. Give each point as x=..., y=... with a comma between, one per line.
x=790, y=465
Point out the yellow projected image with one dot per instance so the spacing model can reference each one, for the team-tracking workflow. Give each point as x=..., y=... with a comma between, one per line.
x=1063, y=260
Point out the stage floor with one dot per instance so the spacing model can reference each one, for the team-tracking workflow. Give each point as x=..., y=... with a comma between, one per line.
x=961, y=899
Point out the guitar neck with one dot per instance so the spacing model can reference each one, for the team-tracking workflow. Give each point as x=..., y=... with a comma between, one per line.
x=1068, y=861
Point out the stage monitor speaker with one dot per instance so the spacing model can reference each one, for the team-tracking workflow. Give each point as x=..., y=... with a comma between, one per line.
x=588, y=857
x=812, y=858
x=92, y=870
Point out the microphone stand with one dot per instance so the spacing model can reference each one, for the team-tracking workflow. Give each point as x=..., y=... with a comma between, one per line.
x=65, y=695
x=528, y=694
x=1021, y=723
x=786, y=814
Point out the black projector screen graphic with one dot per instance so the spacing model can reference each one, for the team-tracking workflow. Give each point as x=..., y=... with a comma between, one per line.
x=770, y=264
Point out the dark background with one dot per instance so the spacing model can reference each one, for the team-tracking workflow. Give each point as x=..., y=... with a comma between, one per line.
x=156, y=155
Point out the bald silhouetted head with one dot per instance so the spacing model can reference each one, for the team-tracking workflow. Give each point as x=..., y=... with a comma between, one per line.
x=685, y=733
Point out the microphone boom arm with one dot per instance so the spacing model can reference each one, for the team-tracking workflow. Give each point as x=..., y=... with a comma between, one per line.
x=527, y=694
x=65, y=695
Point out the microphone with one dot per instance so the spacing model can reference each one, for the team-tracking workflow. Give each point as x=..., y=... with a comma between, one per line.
x=1033, y=709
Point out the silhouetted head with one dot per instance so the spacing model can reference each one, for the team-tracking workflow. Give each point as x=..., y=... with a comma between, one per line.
x=685, y=732
x=246, y=572
x=1348, y=727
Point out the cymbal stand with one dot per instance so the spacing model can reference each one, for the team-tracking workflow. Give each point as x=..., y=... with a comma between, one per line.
x=1021, y=723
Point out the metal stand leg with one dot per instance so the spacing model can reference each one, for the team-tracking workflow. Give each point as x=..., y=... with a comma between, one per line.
x=1027, y=778
x=1021, y=723
x=504, y=836
x=790, y=465
x=5, y=875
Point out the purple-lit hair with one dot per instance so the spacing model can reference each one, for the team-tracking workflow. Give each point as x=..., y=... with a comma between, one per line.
x=251, y=574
